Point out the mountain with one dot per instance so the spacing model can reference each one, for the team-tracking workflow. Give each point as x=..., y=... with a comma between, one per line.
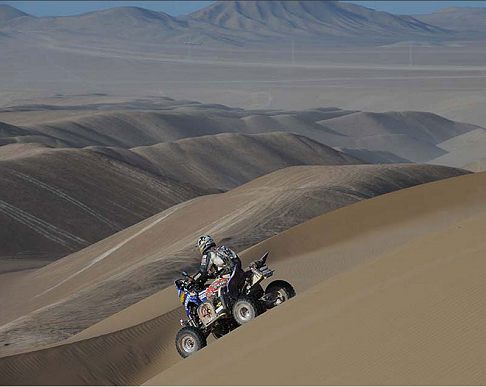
x=230, y=23
x=8, y=12
x=115, y=23
x=308, y=18
x=467, y=19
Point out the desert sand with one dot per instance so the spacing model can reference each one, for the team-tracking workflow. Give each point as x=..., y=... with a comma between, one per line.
x=125, y=160
x=85, y=287
x=396, y=305
x=59, y=200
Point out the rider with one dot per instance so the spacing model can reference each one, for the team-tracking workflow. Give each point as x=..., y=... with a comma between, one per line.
x=219, y=263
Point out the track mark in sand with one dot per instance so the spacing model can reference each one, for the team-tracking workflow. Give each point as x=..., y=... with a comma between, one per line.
x=43, y=228
x=66, y=197
x=113, y=249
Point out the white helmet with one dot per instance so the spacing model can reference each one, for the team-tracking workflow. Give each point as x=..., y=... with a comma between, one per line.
x=205, y=242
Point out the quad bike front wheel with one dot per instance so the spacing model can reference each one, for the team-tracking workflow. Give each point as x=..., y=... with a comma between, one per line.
x=245, y=310
x=279, y=291
x=189, y=340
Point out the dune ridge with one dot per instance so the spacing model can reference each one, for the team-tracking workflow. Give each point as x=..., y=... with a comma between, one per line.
x=402, y=231
x=406, y=136
x=121, y=270
x=91, y=193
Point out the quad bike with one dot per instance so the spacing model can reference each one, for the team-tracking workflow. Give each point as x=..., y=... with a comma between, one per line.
x=219, y=315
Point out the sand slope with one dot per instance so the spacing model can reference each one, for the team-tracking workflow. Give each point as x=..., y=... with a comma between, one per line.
x=413, y=136
x=135, y=263
x=464, y=149
x=388, y=321
x=91, y=193
x=413, y=316
x=198, y=160
x=55, y=202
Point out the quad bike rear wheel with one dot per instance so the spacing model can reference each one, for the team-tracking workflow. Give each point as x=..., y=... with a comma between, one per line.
x=280, y=291
x=245, y=310
x=189, y=340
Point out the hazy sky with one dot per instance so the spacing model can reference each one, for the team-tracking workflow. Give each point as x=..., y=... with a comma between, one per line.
x=56, y=8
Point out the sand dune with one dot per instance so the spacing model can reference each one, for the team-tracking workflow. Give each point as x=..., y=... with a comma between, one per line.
x=374, y=137
x=468, y=148
x=123, y=269
x=412, y=316
x=198, y=160
x=412, y=136
x=138, y=128
x=478, y=166
x=99, y=191
x=403, y=243
x=58, y=201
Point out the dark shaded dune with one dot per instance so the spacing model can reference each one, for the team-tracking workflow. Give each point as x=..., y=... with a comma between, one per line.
x=7, y=130
x=88, y=194
x=403, y=136
x=413, y=136
x=10, y=134
x=375, y=157
x=137, y=262
x=412, y=220
x=55, y=202
x=398, y=146
x=137, y=128
x=224, y=161
x=16, y=150
x=422, y=126
x=130, y=129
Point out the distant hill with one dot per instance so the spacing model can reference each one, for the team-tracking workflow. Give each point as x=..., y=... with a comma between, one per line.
x=402, y=135
x=229, y=23
x=308, y=18
x=8, y=12
x=114, y=23
x=471, y=19
x=387, y=137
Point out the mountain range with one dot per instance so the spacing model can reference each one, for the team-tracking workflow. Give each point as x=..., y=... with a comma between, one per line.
x=467, y=19
x=241, y=23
